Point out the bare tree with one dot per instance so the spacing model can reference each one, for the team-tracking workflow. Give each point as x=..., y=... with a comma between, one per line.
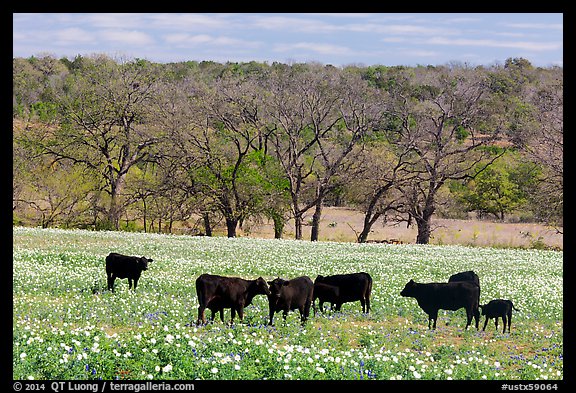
x=216, y=133
x=544, y=144
x=373, y=185
x=105, y=125
x=443, y=119
x=357, y=112
x=301, y=106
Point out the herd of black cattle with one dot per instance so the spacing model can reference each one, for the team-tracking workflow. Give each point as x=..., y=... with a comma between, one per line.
x=218, y=293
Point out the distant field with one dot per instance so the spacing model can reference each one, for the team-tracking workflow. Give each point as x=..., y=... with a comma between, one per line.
x=339, y=224
x=65, y=326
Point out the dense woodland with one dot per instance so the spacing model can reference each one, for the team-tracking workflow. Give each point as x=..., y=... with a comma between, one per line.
x=113, y=143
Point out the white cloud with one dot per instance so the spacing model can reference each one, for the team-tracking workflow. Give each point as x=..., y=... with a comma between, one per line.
x=544, y=26
x=314, y=47
x=283, y=23
x=420, y=53
x=188, y=40
x=403, y=29
x=191, y=22
x=73, y=35
x=527, y=45
x=126, y=37
x=116, y=21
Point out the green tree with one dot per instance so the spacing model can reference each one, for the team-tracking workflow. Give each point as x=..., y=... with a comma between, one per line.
x=106, y=124
x=494, y=192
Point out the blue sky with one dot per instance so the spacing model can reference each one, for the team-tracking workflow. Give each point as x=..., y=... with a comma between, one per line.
x=337, y=39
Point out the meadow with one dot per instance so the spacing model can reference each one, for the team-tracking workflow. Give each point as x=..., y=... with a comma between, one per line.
x=66, y=326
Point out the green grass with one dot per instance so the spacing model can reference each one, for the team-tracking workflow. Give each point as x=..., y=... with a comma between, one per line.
x=66, y=326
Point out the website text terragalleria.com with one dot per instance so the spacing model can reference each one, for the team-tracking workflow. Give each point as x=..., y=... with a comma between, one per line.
x=120, y=386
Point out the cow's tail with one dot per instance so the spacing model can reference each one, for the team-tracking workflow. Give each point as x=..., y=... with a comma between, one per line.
x=108, y=263
x=200, y=292
x=512, y=304
x=368, y=294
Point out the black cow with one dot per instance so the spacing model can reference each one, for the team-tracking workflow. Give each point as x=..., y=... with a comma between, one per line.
x=287, y=295
x=446, y=296
x=465, y=276
x=218, y=292
x=468, y=276
x=498, y=308
x=352, y=287
x=124, y=266
x=324, y=293
x=215, y=306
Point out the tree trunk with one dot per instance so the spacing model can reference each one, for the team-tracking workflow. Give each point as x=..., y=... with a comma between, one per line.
x=231, y=224
x=424, y=224
x=369, y=216
x=278, y=227
x=298, y=225
x=278, y=220
x=424, y=231
x=316, y=219
x=115, y=210
x=144, y=214
x=207, y=226
x=113, y=213
x=369, y=220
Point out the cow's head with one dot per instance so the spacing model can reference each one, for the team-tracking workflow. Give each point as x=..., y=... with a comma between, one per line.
x=143, y=262
x=276, y=286
x=319, y=278
x=483, y=307
x=261, y=287
x=409, y=289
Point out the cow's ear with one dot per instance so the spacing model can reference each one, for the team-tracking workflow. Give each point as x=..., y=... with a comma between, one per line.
x=150, y=260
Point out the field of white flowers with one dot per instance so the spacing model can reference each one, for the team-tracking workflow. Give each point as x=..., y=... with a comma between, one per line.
x=67, y=326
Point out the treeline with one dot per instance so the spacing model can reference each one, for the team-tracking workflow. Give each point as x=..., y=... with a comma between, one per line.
x=129, y=144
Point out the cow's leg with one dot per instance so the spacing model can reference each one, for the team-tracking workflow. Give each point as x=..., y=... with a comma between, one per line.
x=469, y=315
x=363, y=303
x=477, y=317
x=509, y=320
x=212, y=315
x=129, y=283
x=486, y=323
x=222, y=314
x=201, y=316
x=306, y=310
x=496, y=322
x=504, y=323
x=111, y=279
x=321, y=306
x=368, y=304
x=285, y=313
x=241, y=313
x=271, y=315
x=135, y=283
x=433, y=316
x=233, y=314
